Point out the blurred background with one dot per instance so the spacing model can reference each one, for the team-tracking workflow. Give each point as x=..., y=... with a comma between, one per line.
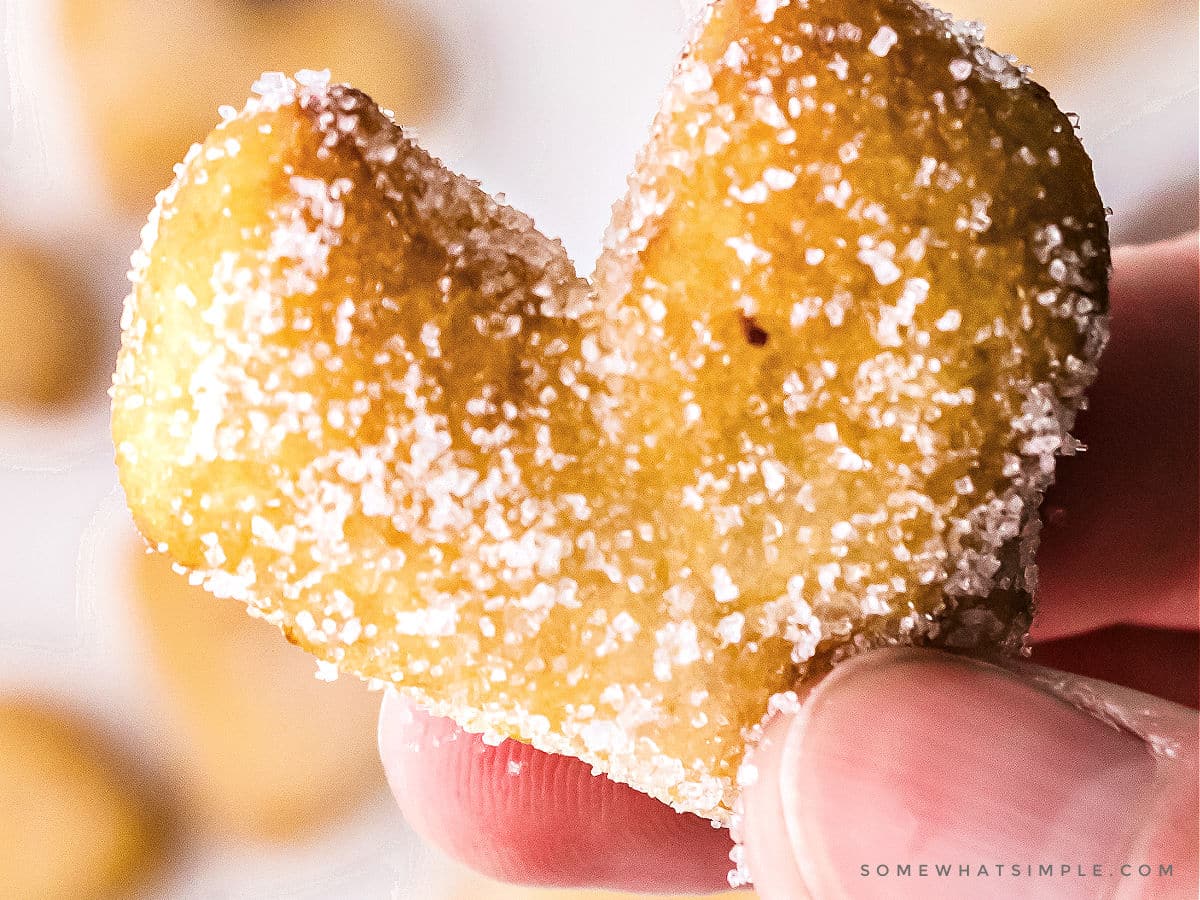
x=156, y=743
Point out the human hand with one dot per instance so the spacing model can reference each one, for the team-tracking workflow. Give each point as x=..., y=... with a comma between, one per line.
x=908, y=756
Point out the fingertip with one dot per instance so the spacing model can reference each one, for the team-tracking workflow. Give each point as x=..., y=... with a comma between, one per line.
x=911, y=756
x=766, y=837
x=520, y=815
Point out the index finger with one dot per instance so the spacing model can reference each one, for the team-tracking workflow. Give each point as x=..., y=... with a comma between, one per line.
x=1120, y=538
x=521, y=815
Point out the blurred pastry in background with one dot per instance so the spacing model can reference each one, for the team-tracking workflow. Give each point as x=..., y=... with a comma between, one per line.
x=1049, y=36
x=49, y=332
x=73, y=826
x=262, y=750
x=150, y=75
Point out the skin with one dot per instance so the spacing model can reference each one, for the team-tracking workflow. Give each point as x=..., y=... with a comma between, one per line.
x=1123, y=552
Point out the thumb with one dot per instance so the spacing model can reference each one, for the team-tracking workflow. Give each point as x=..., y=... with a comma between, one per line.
x=994, y=779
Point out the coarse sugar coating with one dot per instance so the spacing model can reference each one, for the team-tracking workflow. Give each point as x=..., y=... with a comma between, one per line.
x=808, y=403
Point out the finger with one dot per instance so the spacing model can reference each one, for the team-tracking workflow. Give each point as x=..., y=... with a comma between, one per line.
x=1120, y=541
x=517, y=814
x=914, y=756
x=1151, y=660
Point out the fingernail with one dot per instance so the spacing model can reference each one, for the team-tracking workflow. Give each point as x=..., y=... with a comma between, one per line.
x=913, y=756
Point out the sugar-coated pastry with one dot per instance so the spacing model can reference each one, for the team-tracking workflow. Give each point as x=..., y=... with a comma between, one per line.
x=263, y=750
x=807, y=405
x=150, y=75
x=48, y=332
x=73, y=826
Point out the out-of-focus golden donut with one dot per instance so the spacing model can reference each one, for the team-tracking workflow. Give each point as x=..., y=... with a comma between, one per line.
x=264, y=749
x=1048, y=36
x=73, y=827
x=151, y=75
x=48, y=334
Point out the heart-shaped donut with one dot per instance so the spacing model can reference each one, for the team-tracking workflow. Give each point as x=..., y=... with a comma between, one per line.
x=808, y=404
